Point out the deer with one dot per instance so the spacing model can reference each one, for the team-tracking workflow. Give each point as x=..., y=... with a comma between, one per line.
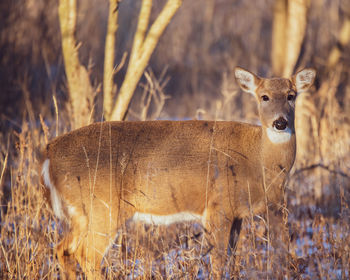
x=103, y=175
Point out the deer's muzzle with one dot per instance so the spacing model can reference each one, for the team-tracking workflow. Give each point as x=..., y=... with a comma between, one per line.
x=280, y=124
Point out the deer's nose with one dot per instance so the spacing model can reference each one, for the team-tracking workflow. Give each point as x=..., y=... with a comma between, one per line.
x=280, y=124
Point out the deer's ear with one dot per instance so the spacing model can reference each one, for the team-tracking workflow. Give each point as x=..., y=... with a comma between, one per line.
x=246, y=80
x=304, y=79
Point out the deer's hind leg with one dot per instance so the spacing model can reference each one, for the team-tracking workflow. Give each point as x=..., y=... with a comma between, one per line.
x=97, y=235
x=84, y=243
x=90, y=253
x=66, y=259
x=75, y=231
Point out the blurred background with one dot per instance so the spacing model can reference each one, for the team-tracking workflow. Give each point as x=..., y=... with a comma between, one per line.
x=189, y=76
x=204, y=41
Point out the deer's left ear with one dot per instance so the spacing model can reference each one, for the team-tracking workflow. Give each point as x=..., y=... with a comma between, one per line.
x=304, y=79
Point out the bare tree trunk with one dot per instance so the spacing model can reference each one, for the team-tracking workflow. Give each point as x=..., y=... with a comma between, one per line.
x=296, y=27
x=279, y=35
x=289, y=26
x=142, y=50
x=80, y=90
x=109, y=88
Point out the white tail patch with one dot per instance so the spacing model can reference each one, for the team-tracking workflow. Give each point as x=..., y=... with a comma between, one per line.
x=279, y=137
x=55, y=198
x=71, y=211
x=166, y=219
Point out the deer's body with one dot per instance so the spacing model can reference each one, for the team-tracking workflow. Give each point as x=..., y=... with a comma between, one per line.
x=105, y=174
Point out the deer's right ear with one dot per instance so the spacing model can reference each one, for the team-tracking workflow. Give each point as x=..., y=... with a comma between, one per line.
x=246, y=80
x=304, y=79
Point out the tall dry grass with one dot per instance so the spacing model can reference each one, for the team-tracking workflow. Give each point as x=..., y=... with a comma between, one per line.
x=200, y=48
x=318, y=219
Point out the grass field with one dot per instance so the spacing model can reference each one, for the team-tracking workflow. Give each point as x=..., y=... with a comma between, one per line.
x=199, y=82
x=318, y=216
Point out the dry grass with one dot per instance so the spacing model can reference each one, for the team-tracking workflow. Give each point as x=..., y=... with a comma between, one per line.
x=199, y=47
x=319, y=247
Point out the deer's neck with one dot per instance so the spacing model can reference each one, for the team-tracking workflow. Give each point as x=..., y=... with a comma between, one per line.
x=278, y=151
x=277, y=160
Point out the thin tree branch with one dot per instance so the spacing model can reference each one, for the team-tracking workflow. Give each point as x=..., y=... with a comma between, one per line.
x=108, y=71
x=141, y=54
x=322, y=166
x=142, y=27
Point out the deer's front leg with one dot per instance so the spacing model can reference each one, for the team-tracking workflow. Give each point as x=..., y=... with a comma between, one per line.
x=279, y=238
x=222, y=232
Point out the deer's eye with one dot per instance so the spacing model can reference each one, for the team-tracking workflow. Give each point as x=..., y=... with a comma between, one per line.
x=291, y=97
x=265, y=98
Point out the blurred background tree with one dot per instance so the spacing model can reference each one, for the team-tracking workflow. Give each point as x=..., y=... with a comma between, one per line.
x=192, y=62
x=343, y=38
x=198, y=50
x=289, y=27
x=142, y=49
x=81, y=93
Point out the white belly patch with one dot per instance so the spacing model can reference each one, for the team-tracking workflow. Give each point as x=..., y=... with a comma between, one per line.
x=166, y=219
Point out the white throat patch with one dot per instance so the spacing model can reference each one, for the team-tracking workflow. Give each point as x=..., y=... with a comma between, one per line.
x=279, y=137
